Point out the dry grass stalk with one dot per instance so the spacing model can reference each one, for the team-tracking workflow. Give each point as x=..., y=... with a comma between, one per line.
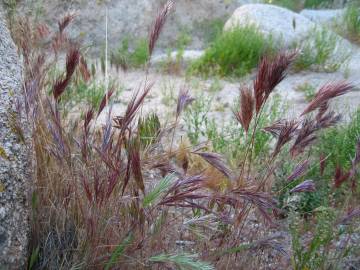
x=272, y=70
x=159, y=24
x=326, y=93
x=72, y=60
x=299, y=171
x=306, y=186
x=245, y=114
x=183, y=101
x=287, y=132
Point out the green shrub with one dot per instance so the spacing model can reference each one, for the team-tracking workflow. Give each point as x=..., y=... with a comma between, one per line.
x=351, y=21
x=130, y=56
x=308, y=90
x=315, y=254
x=90, y=93
x=196, y=119
x=235, y=53
x=337, y=144
x=289, y=4
x=298, y=5
x=229, y=139
x=318, y=3
x=318, y=52
x=171, y=65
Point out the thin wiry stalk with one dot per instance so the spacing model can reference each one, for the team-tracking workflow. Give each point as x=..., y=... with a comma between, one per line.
x=272, y=70
x=306, y=186
x=244, y=115
x=299, y=171
x=159, y=24
x=326, y=93
x=218, y=162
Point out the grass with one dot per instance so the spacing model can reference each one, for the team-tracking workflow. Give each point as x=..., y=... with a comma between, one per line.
x=295, y=5
x=320, y=52
x=127, y=56
x=298, y=5
x=196, y=119
x=308, y=90
x=318, y=3
x=229, y=139
x=316, y=255
x=182, y=261
x=10, y=7
x=233, y=53
x=120, y=196
x=337, y=146
x=88, y=93
x=174, y=65
x=351, y=21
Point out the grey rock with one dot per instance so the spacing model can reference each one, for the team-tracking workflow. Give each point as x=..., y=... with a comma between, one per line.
x=15, y=166
x=285, y=26
x=132, y=18
x=186, y=56
x=325, y=17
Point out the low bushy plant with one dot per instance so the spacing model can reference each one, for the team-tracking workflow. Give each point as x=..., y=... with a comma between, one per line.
x=233, y=53
x=229, y=138
x=320, y=52
x=351, y=21
x=127, y=56
x=297, y=5
x=321, y=233
x=334, y=153
x=308, y=90
x=174, y=63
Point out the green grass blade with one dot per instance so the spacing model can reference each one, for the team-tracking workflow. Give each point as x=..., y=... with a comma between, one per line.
x=34, y=257
x=159, y=189
x=118, y=252
x=183, y=261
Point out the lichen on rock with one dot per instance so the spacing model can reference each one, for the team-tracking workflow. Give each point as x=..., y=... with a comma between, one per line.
x=15, y=164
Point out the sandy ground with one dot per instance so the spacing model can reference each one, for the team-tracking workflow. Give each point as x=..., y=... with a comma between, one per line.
x=224, y=92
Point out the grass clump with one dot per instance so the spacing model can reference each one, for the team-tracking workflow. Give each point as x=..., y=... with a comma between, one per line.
x=308, y=90
x=297, y=5
x=338, y=145
x=233, y=53
x=351, y=21
x=334, y=153
x=318, y=3
x=127, y=56
x=149, y=129
x=320, y=52
x=316, y=254
x=174, y=62
x=182, y=261
x=228, y=138
x=88, y=93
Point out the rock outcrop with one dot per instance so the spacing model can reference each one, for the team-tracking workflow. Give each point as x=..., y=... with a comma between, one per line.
x=325, y=17
x=15, y=165
x=133, y=19
x=280, y=23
